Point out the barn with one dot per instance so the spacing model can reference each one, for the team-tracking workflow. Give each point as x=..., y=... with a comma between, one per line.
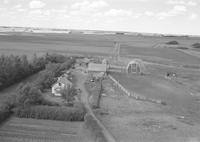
x=97, y=68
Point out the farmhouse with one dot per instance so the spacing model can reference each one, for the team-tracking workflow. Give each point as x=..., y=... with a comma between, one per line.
x=62, y=83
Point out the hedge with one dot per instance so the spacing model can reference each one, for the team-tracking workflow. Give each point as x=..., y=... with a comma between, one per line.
x=52, y=113
x=196, y=45
x=173, y=42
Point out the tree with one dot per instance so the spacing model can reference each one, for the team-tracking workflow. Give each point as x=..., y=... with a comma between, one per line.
x=173, y=42
x=55, y=68
x=55, y=58
x=46, y=79
x=14, y=68
x=196, y=45
x=68, y=93
x=28, y=94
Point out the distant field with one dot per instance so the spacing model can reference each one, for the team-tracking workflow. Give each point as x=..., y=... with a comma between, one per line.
x=163, y=53
x=131, y=45
x=32, y=130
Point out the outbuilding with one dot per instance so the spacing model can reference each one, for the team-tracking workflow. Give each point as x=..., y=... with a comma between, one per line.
x=136, y=66
x=97, y=68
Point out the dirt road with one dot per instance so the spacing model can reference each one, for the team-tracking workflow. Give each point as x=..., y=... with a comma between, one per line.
x=81, y=78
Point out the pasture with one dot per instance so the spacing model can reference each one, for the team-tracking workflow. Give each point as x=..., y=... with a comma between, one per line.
x=180, y=97
x=129, y=119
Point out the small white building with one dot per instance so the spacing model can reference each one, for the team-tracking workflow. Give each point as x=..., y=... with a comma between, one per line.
x=62, y=83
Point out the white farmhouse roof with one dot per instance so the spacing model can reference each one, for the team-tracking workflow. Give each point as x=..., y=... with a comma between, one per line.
x=64, y=81
x=93, y=67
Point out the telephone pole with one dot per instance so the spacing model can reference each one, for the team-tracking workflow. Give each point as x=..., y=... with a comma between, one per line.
x=116, y=52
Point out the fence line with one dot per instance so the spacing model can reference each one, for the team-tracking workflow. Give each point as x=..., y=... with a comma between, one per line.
x=120, y=86
x=134, y=95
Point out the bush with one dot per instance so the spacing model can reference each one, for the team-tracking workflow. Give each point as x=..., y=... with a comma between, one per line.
x=196, y=45
x=52, y=113
x=183, y=48
x=45, y=80
x=52, y=71
x=55, y=58
x=172, y=42
x=68, y=93
x=4, y=115
x=28, y=94
x=14, y=68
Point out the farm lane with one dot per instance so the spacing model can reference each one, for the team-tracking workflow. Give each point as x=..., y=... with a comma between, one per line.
x=81, y=78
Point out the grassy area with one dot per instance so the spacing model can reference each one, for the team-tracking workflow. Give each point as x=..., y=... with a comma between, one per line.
x=177, y=96
x=132, y=120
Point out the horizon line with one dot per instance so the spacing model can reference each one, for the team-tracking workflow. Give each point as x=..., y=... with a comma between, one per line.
x=114, y=31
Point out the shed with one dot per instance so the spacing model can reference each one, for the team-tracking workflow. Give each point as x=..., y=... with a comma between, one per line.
x=135, y=66
x=93, y=67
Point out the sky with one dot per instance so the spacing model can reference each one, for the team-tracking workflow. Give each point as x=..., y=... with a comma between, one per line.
x=149, y=16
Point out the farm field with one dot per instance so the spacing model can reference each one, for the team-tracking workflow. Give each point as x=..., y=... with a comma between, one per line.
x=169, y=54
x=131, y=45
x=23, y=130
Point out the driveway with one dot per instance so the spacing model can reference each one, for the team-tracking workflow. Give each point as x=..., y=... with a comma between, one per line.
x=81, y=78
